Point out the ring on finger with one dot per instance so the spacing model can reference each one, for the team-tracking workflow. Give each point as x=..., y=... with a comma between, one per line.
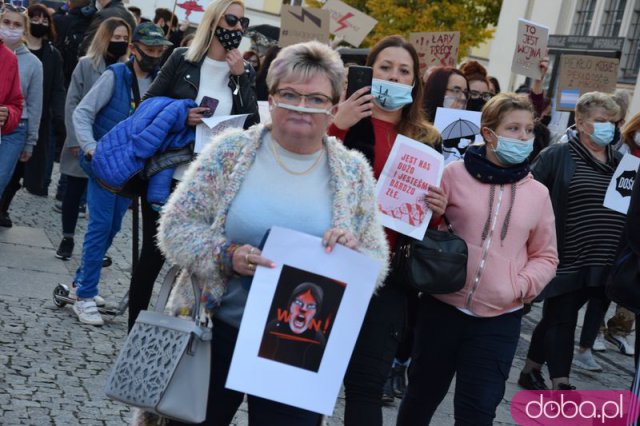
x=251, y=250
x=252, y=266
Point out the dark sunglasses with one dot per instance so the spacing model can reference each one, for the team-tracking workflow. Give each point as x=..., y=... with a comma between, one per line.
x=232, y=21
x=12, y=8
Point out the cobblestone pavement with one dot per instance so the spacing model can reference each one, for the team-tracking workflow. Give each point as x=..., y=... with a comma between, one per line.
x=52, y=368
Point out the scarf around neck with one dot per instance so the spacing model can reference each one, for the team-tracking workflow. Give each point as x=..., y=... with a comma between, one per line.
x=478, y=166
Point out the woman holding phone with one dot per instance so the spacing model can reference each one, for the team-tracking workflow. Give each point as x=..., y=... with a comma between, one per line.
x=229, y=88
x=369, y=121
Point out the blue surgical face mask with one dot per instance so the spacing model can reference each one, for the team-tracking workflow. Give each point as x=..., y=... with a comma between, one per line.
x=390, y=96
x=603, y=133
x=512, y=151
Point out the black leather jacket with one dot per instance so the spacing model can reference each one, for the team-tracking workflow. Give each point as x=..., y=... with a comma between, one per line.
x=180, y=79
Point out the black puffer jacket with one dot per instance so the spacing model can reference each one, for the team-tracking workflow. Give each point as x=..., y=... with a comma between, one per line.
x=180, y=79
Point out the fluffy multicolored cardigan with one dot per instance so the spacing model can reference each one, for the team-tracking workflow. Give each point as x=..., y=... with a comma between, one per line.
x=192, y=226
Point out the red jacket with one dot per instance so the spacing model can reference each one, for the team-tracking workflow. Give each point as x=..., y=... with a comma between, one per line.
x=10, y=92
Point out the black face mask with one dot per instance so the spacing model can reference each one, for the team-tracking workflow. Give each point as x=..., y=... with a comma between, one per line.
x=230, y=39
x=147, y=63
x=39, y=30
x=117, y=48
x=546, y=120
x=475, y=104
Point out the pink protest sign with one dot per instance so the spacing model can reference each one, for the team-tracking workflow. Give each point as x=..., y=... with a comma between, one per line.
x=405, y=179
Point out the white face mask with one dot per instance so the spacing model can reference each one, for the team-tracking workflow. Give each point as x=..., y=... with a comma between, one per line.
x=301, y=109
x=636, y=139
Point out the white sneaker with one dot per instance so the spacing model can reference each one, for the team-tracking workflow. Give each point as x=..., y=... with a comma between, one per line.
x=598, y=345
x=87, y=312
x=585, y=361
x=99, y=300
x=621, y=343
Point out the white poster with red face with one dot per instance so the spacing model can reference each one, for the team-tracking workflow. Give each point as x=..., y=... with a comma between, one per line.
x=412, y=167
x=301, y=321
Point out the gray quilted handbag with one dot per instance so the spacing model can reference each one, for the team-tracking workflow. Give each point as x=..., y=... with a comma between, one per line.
x=164, y=364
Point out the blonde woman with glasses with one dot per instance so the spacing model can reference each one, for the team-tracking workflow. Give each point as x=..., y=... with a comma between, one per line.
x=290, y=174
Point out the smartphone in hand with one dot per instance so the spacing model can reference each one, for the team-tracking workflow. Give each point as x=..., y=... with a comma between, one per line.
x=357, y=78
x=210, y=103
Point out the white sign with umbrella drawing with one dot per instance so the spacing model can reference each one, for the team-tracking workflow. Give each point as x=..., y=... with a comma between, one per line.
x=459, y=129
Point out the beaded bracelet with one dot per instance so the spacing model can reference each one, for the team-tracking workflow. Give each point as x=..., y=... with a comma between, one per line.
x=225, y=258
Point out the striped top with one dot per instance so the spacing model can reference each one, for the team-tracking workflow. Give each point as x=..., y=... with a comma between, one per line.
x=592, y=230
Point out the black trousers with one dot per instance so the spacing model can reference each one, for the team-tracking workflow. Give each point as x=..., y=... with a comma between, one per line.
x=149, y=264
x=223, y=403
x=478, y=351
x=553, y=338
x=74, y=192
x=370, y=363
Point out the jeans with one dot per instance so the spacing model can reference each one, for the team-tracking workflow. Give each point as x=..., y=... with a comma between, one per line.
x=373, y=354
x=149, y=264
x=106, y=211
x=11, y=146
x=553, y=338
x=223, y=403
x=478, y=351
x=75, y=188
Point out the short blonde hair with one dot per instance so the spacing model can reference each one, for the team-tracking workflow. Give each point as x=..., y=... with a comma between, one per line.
x=100, y=43
x=204, y=34
x=592, y=100
x=302, y=61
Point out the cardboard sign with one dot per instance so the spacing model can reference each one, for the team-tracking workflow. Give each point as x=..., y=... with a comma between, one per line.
x=301, y=321
x=348, y=23
x=436, y=49
x=618, y=194
x=531, y=47
x=405, y=179
x=300, y=24
x=580, y=74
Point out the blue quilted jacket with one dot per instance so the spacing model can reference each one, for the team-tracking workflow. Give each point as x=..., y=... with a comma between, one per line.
x=157, y=127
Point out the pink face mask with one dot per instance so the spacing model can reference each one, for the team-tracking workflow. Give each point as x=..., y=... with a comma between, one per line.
x=10, y=36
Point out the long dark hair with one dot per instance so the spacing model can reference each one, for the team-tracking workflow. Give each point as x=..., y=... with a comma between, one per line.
x=413, y=123
x=435, y=89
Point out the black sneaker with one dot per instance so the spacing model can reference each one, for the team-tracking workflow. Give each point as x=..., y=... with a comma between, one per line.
x=106, y=262
x=5, y=220
x=399, y=380
x=387, y=392
x=565, y=386
x=65, y=249
x=532, y=380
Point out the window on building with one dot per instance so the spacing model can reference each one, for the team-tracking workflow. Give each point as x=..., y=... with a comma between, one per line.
x=630, y=61
x=583, y=17
x=612, y=18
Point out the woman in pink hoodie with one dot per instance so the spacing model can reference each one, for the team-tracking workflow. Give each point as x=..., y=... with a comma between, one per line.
x=507, y=221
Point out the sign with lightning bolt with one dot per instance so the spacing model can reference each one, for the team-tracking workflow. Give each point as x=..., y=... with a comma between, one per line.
x=348, y=23
x=300, y=24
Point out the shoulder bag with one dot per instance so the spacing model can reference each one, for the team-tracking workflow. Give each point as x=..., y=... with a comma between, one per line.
x=435, y=265
x=164, y=364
